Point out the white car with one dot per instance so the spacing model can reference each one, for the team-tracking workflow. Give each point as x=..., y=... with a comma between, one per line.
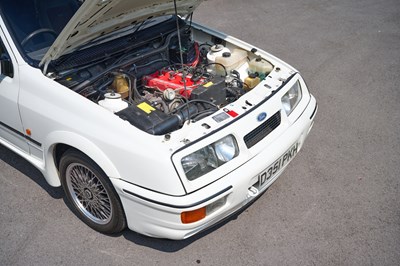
x=145, y=118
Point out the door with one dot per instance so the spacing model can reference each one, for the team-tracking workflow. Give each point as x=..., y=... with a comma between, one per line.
x=11, y=129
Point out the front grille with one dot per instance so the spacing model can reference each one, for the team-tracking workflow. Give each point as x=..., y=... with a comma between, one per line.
x=262, y=130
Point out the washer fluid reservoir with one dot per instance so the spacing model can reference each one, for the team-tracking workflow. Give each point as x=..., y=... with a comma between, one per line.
x=230, y=61
x=113, y=102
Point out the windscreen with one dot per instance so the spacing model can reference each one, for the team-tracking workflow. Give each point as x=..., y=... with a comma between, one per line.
x=35, y=24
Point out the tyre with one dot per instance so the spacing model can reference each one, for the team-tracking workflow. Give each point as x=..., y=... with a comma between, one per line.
x=91, y=194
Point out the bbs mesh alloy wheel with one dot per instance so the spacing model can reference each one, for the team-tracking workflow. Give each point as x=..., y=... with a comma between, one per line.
x=91, y=194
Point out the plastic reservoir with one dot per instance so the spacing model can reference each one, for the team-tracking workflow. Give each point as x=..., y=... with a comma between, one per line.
x=251, y=81
x=230, y=61
x=113, y=102
x=260, y=66
x=216, y=50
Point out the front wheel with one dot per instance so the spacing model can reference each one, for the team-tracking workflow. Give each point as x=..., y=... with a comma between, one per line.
x=91, y=193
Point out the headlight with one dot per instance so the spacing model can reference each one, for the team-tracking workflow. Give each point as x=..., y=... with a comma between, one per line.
x=210, y=157
x=291, y=98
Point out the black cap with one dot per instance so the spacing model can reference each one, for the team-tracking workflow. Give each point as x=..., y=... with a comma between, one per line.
x=253, y=75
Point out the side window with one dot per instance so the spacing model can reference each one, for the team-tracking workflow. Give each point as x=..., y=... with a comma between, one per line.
x=6, y=66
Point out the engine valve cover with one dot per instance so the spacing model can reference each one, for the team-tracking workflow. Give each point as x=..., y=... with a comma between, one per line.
x=173, y=80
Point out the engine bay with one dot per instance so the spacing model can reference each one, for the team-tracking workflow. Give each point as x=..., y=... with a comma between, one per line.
x=157, y=79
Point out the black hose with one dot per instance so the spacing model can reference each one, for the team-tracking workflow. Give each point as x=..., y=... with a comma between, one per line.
x=173, y=122
x=87, y=82
x=203, y=114
x=197, y=101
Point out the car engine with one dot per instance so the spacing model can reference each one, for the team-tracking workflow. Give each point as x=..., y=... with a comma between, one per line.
x=157, y=80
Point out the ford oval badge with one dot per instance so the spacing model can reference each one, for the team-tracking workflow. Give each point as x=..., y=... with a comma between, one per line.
x=261, y=116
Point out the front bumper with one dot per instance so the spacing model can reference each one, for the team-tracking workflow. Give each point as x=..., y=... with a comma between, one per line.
x=158, y=215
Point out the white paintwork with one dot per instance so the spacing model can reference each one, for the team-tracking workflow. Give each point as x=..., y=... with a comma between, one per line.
x=156, y=220
x=149, y=166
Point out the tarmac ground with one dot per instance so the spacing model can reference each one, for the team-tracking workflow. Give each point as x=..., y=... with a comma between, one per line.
x=336, y=204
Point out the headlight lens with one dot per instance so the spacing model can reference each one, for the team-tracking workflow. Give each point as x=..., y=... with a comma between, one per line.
x=226, y=149
x=291, y=98
x=210, y=157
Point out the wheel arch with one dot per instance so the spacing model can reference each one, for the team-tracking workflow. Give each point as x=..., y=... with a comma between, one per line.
x=59, y=142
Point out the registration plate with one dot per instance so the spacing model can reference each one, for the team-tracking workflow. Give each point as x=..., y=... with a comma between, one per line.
x=274, y=168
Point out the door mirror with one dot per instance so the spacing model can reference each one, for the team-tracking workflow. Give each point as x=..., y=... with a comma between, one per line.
x=6, y=66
